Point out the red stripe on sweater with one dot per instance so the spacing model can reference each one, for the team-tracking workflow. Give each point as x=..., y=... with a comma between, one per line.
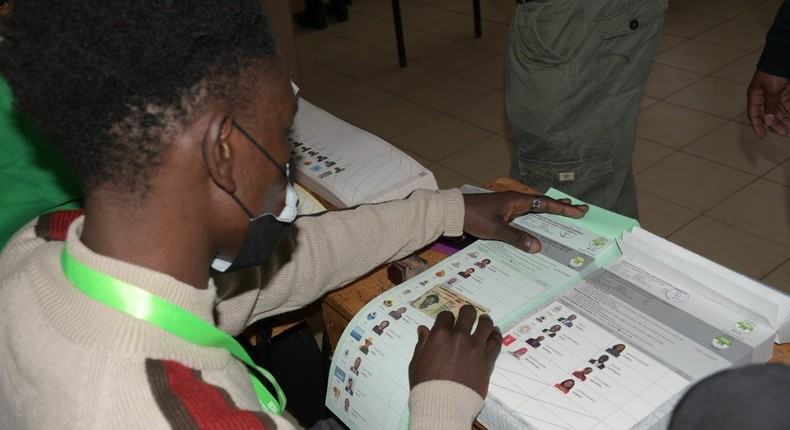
x=205, y=403
x=55, y=225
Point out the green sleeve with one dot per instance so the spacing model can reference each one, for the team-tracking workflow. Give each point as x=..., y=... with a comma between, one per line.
x=33, y=175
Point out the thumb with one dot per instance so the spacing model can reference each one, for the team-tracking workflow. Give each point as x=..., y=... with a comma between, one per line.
x=422, y=337
x=516, y=237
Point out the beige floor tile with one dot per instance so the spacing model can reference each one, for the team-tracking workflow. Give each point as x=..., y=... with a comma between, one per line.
x=664, y=80
x=356, y=23
x=646, y=102
x=780, y=278
x=487, y=112
x=421, y=15
x=333, y=49
x=675, y=126
x=490, y=73
x=668, y=41
x=731, y=247
x=392, y=117
x=350, y=99
x=440, y=137
x=741, y=70
x=373, y=35
x=741, y=119
x=447, y=93
x=447, y=178
x=692, y=182
x=688, y=24
x=399, y=80
x=675, y=4
x=500, y=11
x=308, y=38
x=737, y=146
x=762, y=14
x=316, y=80
x=417, y=43
x=483, y=161
x=455, y=58
x=714, y=96
x=723, y=8
x=493, y=37
x=647, y=153
x=662, y=217
x=780, y=174
x=736, y=34
x=377, y=9
x=699, y=57
x=452, y=5
x=363, y=61
x=762, y=208
x=460, y=28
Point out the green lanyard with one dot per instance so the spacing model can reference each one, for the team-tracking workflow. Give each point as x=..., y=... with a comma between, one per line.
x=148, y=307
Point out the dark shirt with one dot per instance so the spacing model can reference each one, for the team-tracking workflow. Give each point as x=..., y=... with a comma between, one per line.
x=776, y=53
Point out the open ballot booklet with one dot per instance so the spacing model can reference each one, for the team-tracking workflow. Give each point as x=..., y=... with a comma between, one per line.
x=605, y=328
x=347, y=165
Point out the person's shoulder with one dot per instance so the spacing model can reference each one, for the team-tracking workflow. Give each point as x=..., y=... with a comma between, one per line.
x=48, y=230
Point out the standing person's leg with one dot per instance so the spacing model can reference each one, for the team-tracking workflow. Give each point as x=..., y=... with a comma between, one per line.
x=576, y=71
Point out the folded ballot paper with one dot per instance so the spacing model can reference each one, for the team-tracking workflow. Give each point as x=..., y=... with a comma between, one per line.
x=605, y=328
x=347, y=165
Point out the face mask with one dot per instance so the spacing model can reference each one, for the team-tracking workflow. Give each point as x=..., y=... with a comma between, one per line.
x=265, y=231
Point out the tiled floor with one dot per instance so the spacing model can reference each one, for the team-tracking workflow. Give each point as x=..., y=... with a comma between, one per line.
x=705, y=181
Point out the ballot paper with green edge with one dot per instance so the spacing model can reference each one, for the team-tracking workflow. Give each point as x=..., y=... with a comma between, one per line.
x=601, y=286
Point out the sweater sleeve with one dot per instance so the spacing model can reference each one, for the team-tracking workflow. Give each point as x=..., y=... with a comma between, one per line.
x=775, y=58
x=443, y=405
x=329, y=250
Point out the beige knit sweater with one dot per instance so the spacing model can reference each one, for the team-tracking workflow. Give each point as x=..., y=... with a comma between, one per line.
x=67, y=361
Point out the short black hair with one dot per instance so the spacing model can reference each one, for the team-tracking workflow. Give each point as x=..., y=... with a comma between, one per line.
x=106, y=79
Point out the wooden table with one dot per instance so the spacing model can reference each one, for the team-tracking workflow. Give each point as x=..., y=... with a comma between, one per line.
x=340, y=306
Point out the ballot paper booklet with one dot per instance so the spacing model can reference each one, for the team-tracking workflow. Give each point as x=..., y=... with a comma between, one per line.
x=605, y=328
x=346, y=165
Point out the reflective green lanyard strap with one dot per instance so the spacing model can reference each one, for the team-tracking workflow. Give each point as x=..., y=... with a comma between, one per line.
x=141, y=304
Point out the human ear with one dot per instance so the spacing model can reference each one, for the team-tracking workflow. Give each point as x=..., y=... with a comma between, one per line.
x=218, y=152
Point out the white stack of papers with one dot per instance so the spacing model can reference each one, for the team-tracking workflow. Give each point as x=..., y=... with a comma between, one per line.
x=348, y=166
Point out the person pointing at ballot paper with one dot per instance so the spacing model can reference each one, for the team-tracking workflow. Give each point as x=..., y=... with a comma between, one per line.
x=174, y=116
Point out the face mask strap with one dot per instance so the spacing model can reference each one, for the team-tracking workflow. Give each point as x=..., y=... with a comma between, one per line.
x=241, y=205
x=261, y=149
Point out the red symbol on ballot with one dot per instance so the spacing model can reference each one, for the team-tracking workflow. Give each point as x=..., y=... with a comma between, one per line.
x=508, y=340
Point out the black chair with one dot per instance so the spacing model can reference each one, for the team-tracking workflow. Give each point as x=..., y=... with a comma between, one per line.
x=399, y=27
